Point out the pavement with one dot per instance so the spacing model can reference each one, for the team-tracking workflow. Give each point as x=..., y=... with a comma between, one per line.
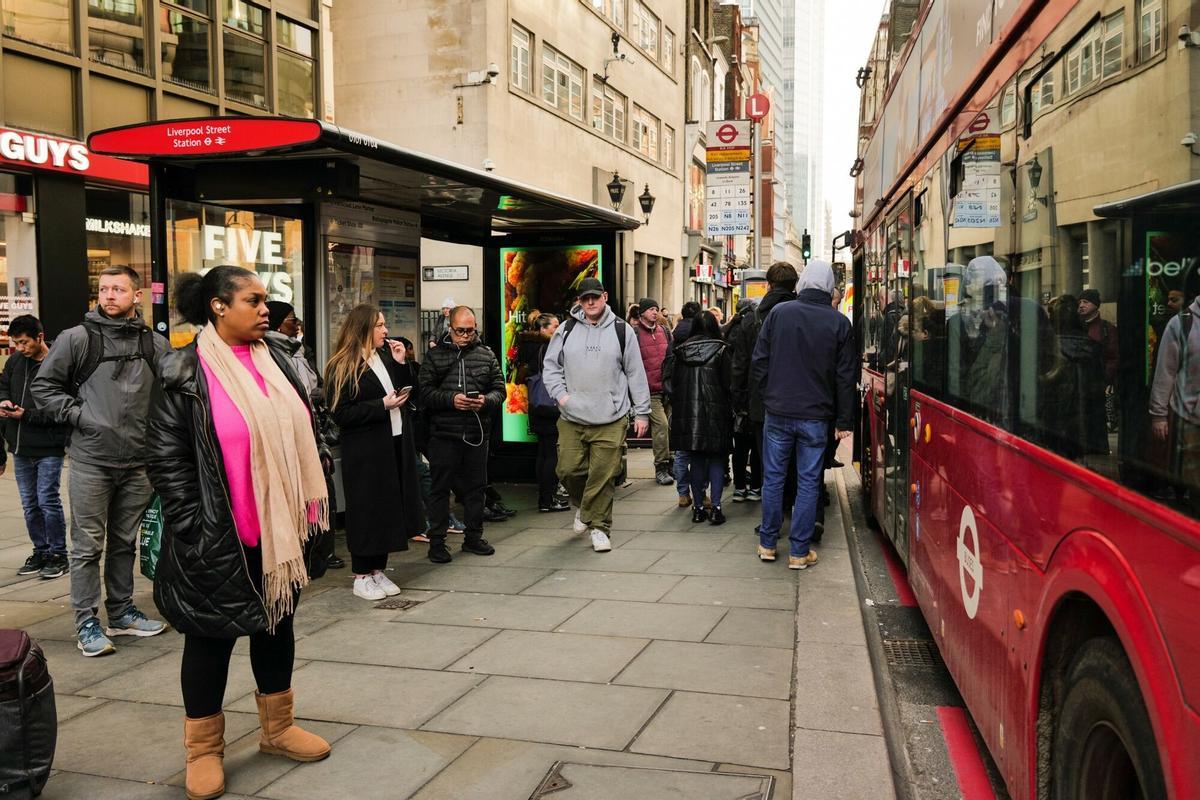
x=676, y=665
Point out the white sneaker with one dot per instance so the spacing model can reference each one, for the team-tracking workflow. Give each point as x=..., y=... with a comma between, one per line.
x=580, y=526
x=385, y=583
x=366, y=588
x=600, y=542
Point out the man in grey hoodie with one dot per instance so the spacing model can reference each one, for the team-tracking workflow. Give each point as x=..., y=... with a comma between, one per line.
x=97, y=379
x=593, y=366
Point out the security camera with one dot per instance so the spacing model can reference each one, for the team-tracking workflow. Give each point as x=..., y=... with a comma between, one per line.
x=493, y=70
x=1188, y=139
x=1188, y=37
x=1185, y=33
x=488, y=165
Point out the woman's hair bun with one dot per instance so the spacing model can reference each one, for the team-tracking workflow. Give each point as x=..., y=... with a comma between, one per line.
x=189, y=298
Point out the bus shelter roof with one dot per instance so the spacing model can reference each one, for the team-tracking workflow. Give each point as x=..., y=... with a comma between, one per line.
x=269, y=157
x=1182, y=198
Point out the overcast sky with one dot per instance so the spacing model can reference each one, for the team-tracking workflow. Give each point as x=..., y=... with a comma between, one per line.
x=850, y=26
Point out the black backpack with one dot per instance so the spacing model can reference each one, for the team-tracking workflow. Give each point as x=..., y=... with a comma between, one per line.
x=28, y=722
x=95, y=354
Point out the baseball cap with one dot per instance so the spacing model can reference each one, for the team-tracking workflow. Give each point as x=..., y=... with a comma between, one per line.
x=590, y=286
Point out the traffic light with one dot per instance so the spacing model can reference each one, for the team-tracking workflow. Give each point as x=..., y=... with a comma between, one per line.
x=806, y=246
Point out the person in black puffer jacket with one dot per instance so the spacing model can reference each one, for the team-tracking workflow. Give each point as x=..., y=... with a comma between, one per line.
x=461, y=388
x=696, y=377
x=240, y=480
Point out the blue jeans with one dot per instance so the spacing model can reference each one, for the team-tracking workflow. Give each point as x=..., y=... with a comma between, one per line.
x=707, y=470
x=37, y=483
x=682, y=472
x=781, y=437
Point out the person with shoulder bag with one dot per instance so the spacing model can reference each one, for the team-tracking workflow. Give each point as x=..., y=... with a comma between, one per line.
x=238, y=463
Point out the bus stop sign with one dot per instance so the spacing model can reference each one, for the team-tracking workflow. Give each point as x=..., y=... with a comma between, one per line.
x=758, y=105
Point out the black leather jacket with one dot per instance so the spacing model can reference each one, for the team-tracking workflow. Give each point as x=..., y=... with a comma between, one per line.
x=449, y=370
x=203, y=585
x=696, y=376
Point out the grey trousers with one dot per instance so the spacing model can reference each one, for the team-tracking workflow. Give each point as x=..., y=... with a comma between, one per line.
x=106, y=511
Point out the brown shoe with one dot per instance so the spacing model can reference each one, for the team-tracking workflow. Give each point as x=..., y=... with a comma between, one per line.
x=802, y=562
x=281, y=736
x=204, y=739
x=685, y=500
x=766, y=553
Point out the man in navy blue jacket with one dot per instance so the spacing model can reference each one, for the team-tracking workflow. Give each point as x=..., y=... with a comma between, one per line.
x=804, y=362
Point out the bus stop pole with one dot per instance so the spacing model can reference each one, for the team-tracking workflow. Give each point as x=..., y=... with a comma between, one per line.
x=755, y=234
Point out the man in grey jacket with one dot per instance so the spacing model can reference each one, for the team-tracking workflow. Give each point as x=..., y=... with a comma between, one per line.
x=593, y=366
x=98, y=379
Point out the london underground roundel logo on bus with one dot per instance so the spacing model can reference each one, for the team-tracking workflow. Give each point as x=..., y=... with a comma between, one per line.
x=969, y=564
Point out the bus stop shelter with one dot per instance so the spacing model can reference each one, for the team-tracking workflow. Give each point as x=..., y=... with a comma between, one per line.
x=330, y=218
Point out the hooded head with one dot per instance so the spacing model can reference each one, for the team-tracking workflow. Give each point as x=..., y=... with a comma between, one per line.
x=818, y=274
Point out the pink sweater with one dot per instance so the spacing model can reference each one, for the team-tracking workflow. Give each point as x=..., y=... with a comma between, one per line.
x=234, y=437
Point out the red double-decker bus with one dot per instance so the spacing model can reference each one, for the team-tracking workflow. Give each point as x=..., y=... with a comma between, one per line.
x=1029, y=234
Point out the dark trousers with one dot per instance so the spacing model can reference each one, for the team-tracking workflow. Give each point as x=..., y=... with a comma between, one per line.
x=365, y=565
x=547, y=468
x=457, y=466
x=746, y=455
x=205, y=668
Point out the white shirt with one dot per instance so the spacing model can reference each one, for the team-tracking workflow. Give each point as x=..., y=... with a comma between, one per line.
x=376, y=365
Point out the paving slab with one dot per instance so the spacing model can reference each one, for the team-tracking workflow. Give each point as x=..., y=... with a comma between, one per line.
x=65, y=785
x=68, y=706
x=24, y=615
x=503, y=769
x=706, y=543
x=339, y=602
x=740, y=592
x=157, y=681
x=829, y=615
x=783, y=779
x=494, y=611
x=34, y=589
x=727, y=565
x=647, y=620
x=634, y=586
x=370, y=763
x=72, y=671
x=601, y=782
x=392, y=644
x=363, y=694
x=547, y=537
x=554, y=712
x=847, y=701
x=840, y=766
x=756, y=626
x=742, y=730
x=133, y=741
x=558, y=656
x=584, y=558
x=464, y=578
x=714, y=668
x=630, y=523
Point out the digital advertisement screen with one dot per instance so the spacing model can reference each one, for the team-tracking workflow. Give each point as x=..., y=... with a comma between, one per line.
x=536, y=280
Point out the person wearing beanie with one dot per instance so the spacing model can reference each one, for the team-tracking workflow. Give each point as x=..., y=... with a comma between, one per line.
x=655, y=342
x=1100, y=330
x=443, y=326
x=283, y=327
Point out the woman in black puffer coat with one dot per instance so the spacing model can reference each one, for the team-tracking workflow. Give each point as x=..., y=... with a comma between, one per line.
x=696, y=378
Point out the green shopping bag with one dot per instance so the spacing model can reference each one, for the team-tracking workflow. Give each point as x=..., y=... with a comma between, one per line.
x=150, y=537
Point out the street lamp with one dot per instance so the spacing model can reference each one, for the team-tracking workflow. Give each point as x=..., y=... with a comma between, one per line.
x=647, y=202
x=616, y=191
x=1035, y=180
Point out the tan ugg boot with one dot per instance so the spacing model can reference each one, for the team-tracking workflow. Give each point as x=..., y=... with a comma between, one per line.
x=280, y=734
x=204, y=739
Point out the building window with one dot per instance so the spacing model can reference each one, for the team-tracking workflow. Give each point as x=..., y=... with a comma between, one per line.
x=117, y=33
x=668, y=51
x=244, y=40
x=612, y=10
x=668, y=146
x=562, y=82
x=1008, y=106
x=185, y=45
x=296, y=78
x=1043, y=93
x=696, y=102
x=608, y=110
x=645, y=133
x=644, y=28
x=1150, y=24
x=118, y=232
x=44, y=22
x=1114, y=41
x=1083, y=62
x=705, y=97
x=522, y=44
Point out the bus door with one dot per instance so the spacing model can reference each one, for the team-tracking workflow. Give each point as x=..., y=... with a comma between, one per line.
x=894, y=360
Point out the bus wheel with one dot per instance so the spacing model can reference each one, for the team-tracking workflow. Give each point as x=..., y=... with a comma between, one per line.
x=1104, y=746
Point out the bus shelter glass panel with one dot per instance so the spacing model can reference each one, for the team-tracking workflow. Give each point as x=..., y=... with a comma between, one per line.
x=357, y=274
x=200, y=237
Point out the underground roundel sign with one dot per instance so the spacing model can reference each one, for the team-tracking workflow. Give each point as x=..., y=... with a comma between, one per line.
x=969, y=565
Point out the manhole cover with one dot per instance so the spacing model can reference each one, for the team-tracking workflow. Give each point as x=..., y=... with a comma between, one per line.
x=397, y=604
x=570, y=781
x=911, y=653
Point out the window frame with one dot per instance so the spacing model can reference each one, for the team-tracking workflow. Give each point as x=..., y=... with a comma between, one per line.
x=1151, y=47
x=668, y=146
x=610, y=104
x=261, y=39
x=667, y=58
x=1108, y=34
x=292, y=53
x=567, y=76
x=168, y=7
x=515, y=50
x=645, y=132
x=640, y=18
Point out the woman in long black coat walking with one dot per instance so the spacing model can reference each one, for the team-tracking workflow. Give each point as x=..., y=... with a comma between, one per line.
x=368, y=386
x=696, y=377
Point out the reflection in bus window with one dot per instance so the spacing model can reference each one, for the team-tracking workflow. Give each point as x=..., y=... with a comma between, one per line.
x=977, y=341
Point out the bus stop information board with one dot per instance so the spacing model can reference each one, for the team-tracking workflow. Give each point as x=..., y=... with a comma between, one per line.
x=727, y=178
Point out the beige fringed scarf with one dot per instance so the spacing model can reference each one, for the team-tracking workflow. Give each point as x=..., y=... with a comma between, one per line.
x=285, y=468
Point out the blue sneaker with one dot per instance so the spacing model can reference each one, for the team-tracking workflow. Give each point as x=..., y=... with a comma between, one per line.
x=92, y=642
x=134, y=623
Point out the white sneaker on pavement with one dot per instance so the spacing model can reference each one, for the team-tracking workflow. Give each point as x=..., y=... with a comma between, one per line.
x=366, y=588
x=580, y=526
x=385, y=583
x=600, y=542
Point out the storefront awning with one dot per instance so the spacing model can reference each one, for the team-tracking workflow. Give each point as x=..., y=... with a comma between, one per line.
x=1182, y=198
x=277, y=160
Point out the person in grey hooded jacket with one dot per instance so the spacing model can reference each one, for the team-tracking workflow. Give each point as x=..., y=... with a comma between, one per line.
x=592, y=376
x=98, y=379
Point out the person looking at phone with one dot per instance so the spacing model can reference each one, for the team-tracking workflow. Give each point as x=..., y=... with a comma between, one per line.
x=368, y=385
x=461, y=389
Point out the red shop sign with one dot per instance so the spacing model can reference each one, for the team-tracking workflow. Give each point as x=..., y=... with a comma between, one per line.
x=39, y=151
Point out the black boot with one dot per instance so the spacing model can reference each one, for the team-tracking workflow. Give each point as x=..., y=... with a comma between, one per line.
x=699, y=515
x=438, y=553
x=716, y=516
x=479, y=546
